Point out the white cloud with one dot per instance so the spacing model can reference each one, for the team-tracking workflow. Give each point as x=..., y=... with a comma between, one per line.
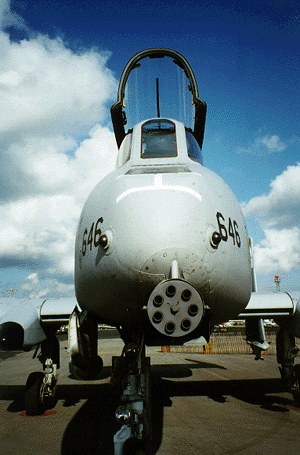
x=32, y=286
x=48, y=89
x=266, y=144
x=273, y=143
x=278, y=252
x=281, y=207
x=36, y=288
x=51, y=99
x=10, y=78
x=279, y=215
x=40, y=225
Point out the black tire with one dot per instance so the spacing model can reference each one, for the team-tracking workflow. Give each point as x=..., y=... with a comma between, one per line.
x=34, y=403
x=98, y=365
x=296, y=387
x=134, y=446
x=87, y=374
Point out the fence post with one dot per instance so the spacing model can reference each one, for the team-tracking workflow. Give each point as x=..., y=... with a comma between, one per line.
x=208, y=348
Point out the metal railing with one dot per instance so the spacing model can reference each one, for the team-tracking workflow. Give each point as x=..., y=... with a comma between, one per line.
x=231, y=340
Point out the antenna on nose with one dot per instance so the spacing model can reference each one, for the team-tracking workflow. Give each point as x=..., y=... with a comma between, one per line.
x=157, y=97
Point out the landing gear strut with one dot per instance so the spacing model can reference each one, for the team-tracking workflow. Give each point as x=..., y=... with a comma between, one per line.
x=83, y=345
x=132, y=372
x=41, y=386
x=290, y=373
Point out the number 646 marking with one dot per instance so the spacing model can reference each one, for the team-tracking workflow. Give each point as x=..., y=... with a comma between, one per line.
x=232, y=230
x=91, y=238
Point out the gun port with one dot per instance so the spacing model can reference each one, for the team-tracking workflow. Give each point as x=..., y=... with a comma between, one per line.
x=171, y=291
x=185, y=325
x=193, y=310
x=186, y=295
x=158, y=300
x=170, y=328
x=157, y=317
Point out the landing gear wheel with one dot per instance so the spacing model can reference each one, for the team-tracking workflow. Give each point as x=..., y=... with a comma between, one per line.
x=134, y=446
x=34, y=394
x=91, y=372
x=98, y=365
x=296, y=386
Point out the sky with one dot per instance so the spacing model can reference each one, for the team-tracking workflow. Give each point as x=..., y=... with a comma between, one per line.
x=59, y=70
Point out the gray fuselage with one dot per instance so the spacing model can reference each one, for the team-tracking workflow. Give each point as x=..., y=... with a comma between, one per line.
x=152, y=211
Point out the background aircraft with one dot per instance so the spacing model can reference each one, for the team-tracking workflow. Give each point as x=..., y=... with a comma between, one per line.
x=162, y=253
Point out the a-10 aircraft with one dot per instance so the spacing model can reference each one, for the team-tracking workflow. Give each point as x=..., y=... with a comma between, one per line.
x=162, y=253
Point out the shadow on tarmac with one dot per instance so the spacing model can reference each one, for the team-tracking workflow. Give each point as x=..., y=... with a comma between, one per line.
x=92, y=428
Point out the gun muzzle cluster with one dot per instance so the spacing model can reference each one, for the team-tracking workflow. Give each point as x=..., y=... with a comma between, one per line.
x=175, y=308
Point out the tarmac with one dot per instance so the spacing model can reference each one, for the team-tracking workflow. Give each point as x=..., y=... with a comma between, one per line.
x=202, y=404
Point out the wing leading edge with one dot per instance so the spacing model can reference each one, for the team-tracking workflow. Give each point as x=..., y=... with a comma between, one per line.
x=24, y=322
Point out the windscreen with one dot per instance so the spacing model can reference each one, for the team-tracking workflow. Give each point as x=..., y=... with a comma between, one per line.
x=158, y=139
x=158, y=87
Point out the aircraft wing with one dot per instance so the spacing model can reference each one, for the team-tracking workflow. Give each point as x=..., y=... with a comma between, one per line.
x=280, y=306
x=269, y=305
x=23, y=322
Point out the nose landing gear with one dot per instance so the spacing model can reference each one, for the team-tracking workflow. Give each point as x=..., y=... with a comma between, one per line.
x=132, y=372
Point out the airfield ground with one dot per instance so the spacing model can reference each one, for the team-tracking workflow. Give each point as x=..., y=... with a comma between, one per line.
x=202, y=404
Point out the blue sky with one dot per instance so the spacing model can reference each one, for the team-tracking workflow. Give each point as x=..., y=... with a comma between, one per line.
x=62, y=62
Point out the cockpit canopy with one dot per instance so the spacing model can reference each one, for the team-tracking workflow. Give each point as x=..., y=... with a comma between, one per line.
x=158, y=83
